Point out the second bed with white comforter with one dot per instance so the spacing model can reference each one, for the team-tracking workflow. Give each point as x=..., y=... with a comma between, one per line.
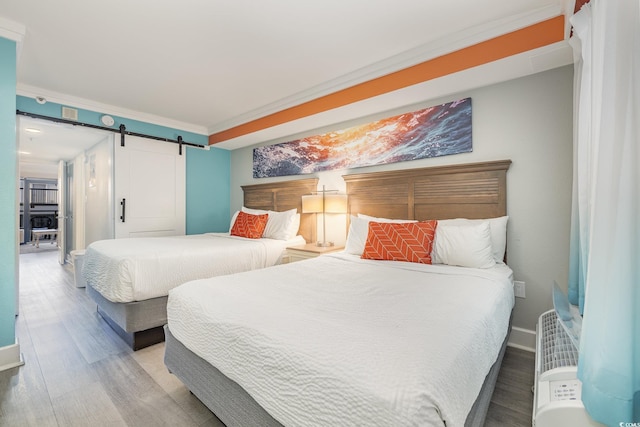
x=137, y=269
x=338, y=340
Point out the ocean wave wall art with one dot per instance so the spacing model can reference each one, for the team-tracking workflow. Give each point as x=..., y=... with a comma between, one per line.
x=436, y=131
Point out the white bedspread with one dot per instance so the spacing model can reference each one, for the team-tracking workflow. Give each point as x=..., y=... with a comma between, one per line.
x=347, y=342
x=125, y=270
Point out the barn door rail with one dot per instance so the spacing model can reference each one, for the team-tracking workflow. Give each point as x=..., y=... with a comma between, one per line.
x=122, y=130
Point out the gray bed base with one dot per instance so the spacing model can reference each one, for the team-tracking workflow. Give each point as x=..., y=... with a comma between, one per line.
x=235, y=407
x=138, y=323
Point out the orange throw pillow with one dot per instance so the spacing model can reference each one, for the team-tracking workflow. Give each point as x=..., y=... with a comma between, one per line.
x=248, y=225
x=411, y=242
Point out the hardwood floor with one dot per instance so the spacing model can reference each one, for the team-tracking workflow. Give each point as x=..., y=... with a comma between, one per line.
x=78, y=372
x=512, y=400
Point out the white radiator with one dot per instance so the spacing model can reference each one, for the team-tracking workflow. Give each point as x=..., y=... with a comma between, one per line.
x=557, y=393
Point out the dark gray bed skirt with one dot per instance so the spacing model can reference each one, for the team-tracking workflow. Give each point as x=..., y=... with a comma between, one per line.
x=133, y=316
x=138, y=323
x=224, y=397
x=235, y=407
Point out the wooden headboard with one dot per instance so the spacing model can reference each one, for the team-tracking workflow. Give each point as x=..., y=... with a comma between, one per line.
x=282, y=196
x=474, y=190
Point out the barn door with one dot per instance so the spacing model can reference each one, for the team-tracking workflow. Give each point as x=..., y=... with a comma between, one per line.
x=149, y=188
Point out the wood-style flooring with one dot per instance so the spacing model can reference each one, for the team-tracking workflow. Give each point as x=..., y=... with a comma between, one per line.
x=78, y=372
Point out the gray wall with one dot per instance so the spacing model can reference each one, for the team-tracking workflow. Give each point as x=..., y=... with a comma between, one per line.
x=528, y=120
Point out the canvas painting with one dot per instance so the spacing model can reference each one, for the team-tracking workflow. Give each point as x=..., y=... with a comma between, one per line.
x=440, y=130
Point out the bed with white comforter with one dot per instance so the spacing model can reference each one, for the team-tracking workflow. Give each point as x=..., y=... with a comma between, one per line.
x=137, y=269
x=339, y=340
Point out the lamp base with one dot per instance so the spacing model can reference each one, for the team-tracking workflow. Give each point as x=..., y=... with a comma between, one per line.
x=324, y=244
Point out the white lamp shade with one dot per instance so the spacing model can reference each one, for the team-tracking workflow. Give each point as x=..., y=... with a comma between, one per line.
x=324, y=203
x=335, y=203
x=312, y=203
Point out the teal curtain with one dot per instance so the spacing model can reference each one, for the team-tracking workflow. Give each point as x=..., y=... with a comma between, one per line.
x=579, y=249
x=605, y=257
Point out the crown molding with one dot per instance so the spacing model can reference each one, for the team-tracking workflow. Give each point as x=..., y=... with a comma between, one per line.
x=398, y=62
x=86, y=104
x=524, y=64
x=12, y=30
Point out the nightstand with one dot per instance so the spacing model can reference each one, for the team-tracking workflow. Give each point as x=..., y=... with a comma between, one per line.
x=310, y=250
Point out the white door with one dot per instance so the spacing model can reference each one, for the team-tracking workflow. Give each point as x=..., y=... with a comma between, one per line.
x=149, y=188
x=62, y=210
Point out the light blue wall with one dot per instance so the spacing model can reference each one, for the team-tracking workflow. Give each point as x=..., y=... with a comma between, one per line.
x=8, y=189
x=207, y=177
x=51, y=109
x=208, y=190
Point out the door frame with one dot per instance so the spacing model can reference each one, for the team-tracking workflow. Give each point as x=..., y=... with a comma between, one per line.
x=62, y=212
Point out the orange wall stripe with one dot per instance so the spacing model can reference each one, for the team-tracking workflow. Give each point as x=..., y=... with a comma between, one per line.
x=532, y=37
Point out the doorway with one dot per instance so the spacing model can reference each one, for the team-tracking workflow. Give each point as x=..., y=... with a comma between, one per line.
x=42, y=145
x=38, y=212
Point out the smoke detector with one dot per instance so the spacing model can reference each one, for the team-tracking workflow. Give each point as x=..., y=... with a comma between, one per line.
x=107, y=120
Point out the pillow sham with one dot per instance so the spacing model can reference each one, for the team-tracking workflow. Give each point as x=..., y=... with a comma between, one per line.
x=466, y=245
x=410, y=242
x=249, y=226
x=281, y=225
x=359, y=229
x=233, y=220
x=498, y=229
x=357, y=235
x=377, y=219
x=294, y=227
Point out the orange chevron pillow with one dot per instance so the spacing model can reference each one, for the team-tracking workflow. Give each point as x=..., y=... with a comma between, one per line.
x=411, y=242
x=248, y=225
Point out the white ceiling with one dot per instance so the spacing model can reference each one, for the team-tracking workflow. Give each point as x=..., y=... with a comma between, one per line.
x=40, y=152
x=208, y=65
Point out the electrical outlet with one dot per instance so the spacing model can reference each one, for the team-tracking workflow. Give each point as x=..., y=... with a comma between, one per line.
x=519, y=289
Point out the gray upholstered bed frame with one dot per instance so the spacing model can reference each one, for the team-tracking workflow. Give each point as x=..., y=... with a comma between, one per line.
x=140, y=323
x=235, y=407
x=475, y=190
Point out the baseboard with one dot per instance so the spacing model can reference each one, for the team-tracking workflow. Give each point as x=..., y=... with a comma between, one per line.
x=10, y=357
x=523, y=339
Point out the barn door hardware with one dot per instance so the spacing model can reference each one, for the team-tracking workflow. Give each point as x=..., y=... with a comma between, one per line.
x=122, y=130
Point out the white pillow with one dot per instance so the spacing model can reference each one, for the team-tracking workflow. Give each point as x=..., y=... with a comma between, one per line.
x=254, y=211
x=357, y=236
x=280, y=225
x=498, y=229
x=359, y=229
x=376, y=219
x=294, y=227
x=467, y=245
x=233, y=220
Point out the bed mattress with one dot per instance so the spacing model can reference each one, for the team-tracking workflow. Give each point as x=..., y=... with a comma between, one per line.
x=137, y=269
x=338, y=340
